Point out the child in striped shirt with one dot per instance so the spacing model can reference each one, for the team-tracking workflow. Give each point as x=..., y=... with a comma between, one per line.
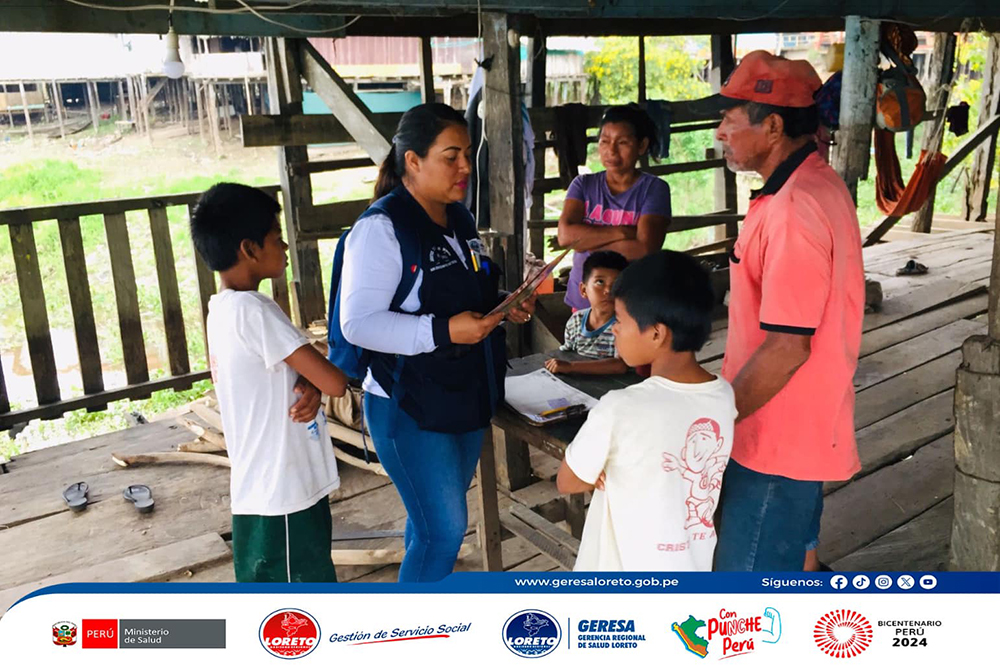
x=588, y=331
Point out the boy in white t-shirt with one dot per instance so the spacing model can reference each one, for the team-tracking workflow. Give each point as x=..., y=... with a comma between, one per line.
x=656, y=450
x=282, y=470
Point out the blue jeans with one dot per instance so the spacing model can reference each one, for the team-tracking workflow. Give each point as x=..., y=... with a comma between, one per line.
x=432, y=472
x=766, y=522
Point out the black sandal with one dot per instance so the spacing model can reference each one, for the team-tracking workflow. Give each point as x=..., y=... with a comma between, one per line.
x=75, y=496
x=912, y=268
x=141, y=497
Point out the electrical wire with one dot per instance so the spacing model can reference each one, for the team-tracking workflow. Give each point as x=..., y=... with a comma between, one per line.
x=245, y=9
x=304, y=31
x=200, y=10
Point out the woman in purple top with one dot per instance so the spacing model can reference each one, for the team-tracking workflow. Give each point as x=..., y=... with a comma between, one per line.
x=621, y=208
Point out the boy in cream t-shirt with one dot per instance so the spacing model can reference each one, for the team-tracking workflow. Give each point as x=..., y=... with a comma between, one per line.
x=656, y=451
x=282, y=469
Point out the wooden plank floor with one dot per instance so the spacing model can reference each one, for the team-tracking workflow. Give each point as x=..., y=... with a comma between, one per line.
x=895, y=515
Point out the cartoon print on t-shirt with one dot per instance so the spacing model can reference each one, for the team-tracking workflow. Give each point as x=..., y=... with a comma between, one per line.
x=700, y=469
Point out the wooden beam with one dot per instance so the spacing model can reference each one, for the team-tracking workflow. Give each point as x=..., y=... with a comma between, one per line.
x=153, y=93
x=302, y=130
x=942, y=70
x=857, y=100
x=977, y=189
x=100, y=399
x=343, y=102
x=15, y=216
x=427, y=71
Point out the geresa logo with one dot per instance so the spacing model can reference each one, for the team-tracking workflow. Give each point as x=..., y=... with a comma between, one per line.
x=289, y=633
x=531, y=633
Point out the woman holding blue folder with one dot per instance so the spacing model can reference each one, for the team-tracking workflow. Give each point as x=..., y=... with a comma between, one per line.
x=437, y=364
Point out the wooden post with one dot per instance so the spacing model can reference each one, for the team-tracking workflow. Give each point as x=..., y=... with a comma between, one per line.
x=95, y=105
x=43, y=88
x=427, y=71
x=131, y=104
x=57, y=95
x=942, y=70
x=539, y=55
x=121, y=101
x=249, y=96
x=975, y=536
x=147, y=104
x=501, y=95
x=186, y=105
x=27, y=114
x=226, y=119
x=199, y=90
x=284, y=85
x=213, y=116
x=489, y=513
x=857, y=101
x=642, y=69
x=977, y=190
x=723, y=63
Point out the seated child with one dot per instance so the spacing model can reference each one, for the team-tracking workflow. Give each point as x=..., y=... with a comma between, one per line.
x=282, y=471
x=656, y=450
x=588, y=331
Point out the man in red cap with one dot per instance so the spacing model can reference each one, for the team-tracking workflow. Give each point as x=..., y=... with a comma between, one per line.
x=795, y=313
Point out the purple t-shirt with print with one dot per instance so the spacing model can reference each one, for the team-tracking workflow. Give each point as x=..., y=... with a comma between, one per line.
x=649, y=195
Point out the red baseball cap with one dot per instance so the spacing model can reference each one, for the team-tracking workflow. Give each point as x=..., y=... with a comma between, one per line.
x=765, y=78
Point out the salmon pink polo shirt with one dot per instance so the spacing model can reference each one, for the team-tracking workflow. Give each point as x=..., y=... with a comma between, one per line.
x=797, y=268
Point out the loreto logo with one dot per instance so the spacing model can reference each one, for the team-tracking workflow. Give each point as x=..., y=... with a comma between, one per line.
x=531, y=633
x=843, y=633
x=289, y=633
x=64, y=633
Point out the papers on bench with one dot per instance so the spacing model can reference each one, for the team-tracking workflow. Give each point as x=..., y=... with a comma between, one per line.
x=542, y=398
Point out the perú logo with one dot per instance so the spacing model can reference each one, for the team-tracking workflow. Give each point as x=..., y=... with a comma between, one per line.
x=843, y=633
x=289, y=633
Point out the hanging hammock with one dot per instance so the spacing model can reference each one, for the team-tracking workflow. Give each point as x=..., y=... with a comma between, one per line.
x=894, y=198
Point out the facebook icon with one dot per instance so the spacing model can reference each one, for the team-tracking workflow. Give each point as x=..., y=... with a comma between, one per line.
x=839, y=582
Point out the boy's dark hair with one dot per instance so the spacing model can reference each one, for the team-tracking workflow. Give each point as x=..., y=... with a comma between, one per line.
x=669, y=288
x=798, y=121
x=603, y=259
x=226, y=214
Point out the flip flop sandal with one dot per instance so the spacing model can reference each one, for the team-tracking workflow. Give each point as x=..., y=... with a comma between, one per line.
x=75, y=496
x=912, y=268
x=141, y=497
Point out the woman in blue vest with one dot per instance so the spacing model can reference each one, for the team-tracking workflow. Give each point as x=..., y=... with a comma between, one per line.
x=437, y=365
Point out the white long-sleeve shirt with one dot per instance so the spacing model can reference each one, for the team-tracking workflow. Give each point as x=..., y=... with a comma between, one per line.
x=373, y=267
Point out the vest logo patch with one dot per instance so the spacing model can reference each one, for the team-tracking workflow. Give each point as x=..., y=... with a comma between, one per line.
x=439, y=257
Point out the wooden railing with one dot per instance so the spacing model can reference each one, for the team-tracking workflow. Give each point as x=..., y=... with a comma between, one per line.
x=20, y=224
